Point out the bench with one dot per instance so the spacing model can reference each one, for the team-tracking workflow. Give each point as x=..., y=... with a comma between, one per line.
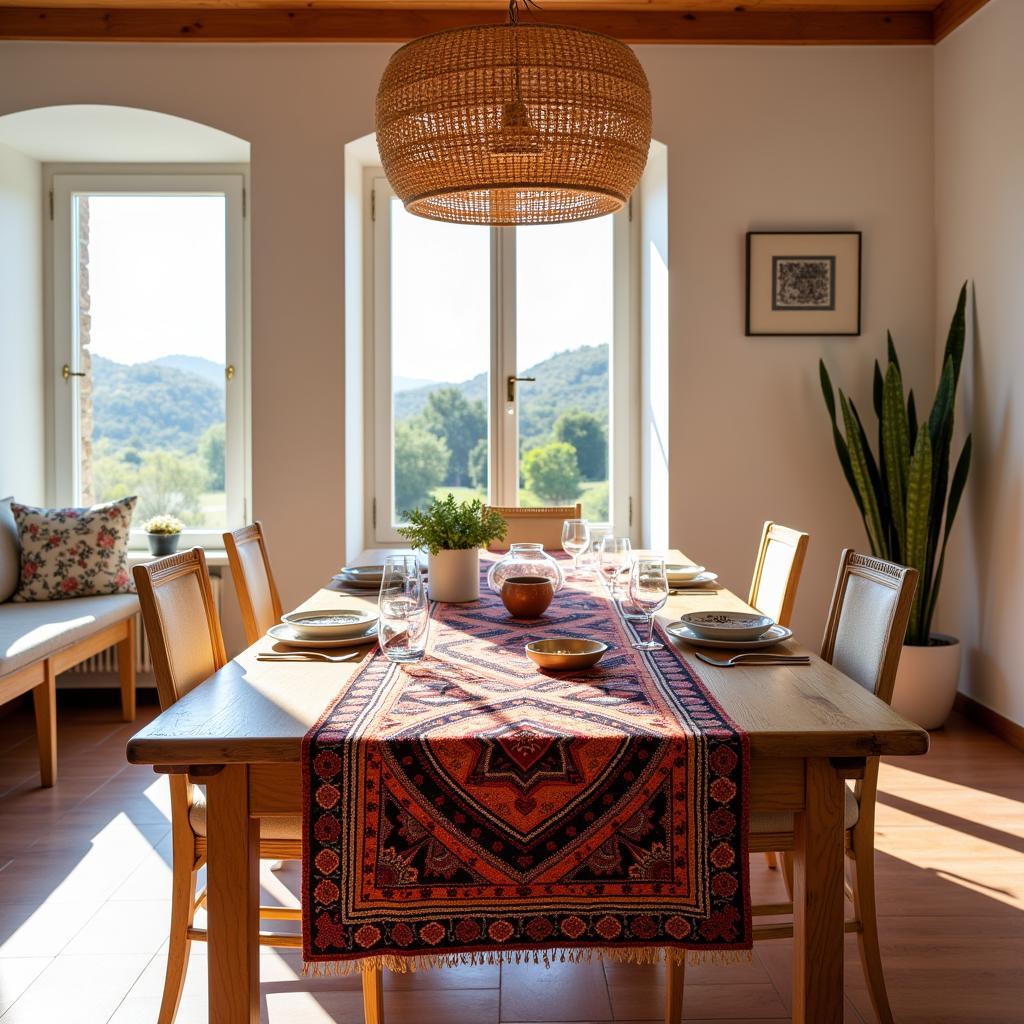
x=40, y=639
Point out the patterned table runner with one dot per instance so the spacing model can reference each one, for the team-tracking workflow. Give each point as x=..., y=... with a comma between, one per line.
x=470, y=807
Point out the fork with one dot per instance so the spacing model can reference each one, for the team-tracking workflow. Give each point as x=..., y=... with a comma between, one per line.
x=756, y=658
x=305, y=656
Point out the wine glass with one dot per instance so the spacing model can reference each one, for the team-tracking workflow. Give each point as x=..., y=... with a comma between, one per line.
x=575, y=540
x=403, y=610
x=648, y=589
x=591, y=558
x=614, y=557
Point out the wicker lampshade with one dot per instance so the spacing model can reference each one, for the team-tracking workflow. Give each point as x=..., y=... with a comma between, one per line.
x=513, y=124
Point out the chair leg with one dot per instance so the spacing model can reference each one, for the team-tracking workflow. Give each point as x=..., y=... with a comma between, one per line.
x=126, y=672
x=675, y=976
x=183, y=895
x=786, y=859
x=373, y=995
x=44, y=699
x=771, y=860
x=863, y=885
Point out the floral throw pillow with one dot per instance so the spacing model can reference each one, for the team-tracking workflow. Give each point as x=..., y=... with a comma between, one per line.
x=73, y=552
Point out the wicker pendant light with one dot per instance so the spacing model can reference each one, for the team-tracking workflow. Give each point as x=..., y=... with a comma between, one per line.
x=513, y=124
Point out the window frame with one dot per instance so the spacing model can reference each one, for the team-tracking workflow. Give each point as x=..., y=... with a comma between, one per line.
x=63, y=184
x=624, y=369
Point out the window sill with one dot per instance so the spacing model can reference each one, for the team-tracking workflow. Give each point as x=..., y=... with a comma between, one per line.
x=214, y=556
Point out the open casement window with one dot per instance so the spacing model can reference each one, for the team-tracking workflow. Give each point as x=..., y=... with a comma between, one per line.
x=501, y=364
x=149, y=375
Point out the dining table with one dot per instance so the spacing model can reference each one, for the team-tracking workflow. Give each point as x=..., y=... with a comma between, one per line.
x=810, y=728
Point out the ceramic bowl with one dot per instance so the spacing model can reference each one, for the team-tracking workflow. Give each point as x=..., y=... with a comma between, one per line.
x=527, y=597
x=682, y=573
x=715, y=625
x=329, y=623
x=565, y=654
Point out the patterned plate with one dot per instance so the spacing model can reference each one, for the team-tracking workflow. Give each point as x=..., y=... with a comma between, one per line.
x=285, y=635
x=775, y=635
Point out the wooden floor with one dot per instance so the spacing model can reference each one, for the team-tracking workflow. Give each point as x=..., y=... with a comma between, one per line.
x=84, y=881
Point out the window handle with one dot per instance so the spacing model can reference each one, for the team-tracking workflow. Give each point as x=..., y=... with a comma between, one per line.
x=512, y=385
x=68, y=373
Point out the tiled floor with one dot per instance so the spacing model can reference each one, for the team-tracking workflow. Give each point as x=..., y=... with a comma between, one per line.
x=84, y=880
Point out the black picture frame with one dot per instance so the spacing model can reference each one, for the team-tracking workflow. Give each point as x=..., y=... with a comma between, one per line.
x=836, y=318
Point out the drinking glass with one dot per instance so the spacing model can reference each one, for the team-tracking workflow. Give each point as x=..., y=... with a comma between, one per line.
x=648, y=589
x=613, y=560
x=591, y=558
x=403, y=610
x=575, y=539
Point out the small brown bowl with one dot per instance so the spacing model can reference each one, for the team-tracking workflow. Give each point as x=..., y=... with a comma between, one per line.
x=527, y=597
x=565, y=653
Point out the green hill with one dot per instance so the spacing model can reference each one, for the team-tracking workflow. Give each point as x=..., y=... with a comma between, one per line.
x=577, y=379
x=149, y=406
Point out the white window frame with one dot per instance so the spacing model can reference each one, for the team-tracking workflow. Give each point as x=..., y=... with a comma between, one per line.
x=624, y=370
x=62, y=281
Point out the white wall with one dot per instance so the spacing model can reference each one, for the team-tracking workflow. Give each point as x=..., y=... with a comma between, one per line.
x=22, y=410
x=761, y=138
x=756, y=137
x=979, y=211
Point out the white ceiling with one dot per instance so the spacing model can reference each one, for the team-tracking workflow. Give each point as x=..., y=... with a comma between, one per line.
x=101, y=134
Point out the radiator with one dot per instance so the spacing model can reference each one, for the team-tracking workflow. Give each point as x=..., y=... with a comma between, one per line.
x=102, y=668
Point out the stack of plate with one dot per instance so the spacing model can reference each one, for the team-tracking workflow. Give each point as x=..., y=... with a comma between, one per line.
x=748, y=630
x=360, y=577
x=685, y=576
x=326, y=627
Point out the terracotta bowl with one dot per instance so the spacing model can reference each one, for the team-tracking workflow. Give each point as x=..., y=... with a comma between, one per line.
x=527, y=597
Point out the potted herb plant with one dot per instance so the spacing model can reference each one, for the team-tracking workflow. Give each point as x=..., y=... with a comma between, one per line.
x=453, y=533
x=163, y=534
x=908, y=502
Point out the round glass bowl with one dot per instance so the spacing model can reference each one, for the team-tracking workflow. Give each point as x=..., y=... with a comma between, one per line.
x=525, y=560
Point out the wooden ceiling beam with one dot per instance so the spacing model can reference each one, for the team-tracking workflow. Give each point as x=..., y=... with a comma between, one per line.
x=392, y=25
x=950, y=14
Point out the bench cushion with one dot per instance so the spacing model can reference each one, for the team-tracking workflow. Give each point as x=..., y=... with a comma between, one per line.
x=35, y=630
x=10, y=551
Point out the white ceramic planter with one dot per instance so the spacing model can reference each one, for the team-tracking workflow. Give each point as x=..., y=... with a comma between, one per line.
x=454, y=576
x=926, y=681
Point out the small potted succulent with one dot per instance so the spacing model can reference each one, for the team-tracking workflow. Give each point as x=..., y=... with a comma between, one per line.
x=163, y=533
x=453, y=533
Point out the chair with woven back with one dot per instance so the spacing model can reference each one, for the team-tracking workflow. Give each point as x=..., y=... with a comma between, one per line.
x=542, y=525
x=864, y=633
x=187, y=647
x=254, y=581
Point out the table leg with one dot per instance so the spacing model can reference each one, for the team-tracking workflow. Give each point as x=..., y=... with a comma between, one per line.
x=818, y=899
x=675, y=973
x=233, y=843
x=373, y=995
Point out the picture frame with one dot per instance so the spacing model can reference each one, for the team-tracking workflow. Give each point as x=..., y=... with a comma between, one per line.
x=803, y=283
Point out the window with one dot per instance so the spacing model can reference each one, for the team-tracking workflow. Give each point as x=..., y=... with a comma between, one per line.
x=148, y=288
x=501, y=363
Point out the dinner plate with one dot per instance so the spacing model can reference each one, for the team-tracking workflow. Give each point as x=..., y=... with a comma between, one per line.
x=285, y=635
x=678, y=583
x=775, y=635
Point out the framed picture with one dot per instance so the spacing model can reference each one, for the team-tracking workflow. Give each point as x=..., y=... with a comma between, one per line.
x=803, y=282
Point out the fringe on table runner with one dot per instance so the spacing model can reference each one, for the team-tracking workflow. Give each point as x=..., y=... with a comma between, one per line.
x=547, y=957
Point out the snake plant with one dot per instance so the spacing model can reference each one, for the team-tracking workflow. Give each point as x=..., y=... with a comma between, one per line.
x=905, y=494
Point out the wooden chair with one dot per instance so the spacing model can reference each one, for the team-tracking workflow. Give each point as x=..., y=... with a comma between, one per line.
x=254, y=582
x=187, y=647
x=777, y=569
x=864, y=634
x=534, y=525
x=780, y=560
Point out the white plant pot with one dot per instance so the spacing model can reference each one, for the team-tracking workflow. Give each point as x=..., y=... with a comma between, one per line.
x=926, y=681
x=454, y=576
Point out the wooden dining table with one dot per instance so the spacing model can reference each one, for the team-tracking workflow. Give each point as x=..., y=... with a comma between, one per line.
x=239, y=733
